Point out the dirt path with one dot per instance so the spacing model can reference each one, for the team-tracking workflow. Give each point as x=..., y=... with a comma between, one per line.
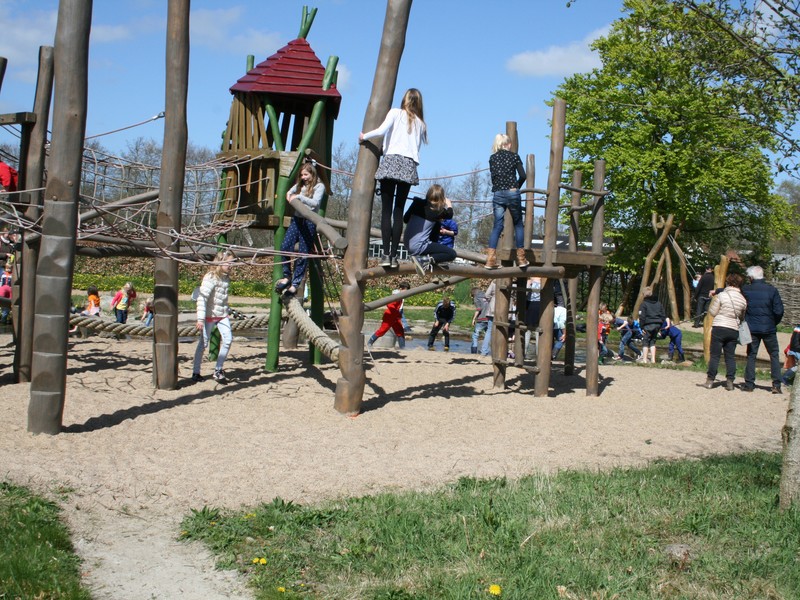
x=134, y=460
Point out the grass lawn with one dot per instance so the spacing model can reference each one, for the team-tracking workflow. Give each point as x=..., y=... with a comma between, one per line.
x=36, y=555
x=685, y=529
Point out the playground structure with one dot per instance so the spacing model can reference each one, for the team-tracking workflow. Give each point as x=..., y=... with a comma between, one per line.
x=276, y=121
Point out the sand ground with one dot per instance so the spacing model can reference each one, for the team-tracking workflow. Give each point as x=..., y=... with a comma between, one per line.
x=133, y=460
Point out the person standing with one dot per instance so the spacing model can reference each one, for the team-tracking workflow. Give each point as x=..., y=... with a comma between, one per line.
x=309, y=190
x=701, y=295
x=508, y=176
x=121, y=303
x=443, y=315
x=483, y=318
x=764, y=312
x=651, y=317
x=728, y=308
x=403, y=132
x=212, y=311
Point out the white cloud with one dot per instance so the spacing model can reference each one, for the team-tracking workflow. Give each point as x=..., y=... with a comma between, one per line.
x=558, y=61
x=345, y=77
x=22, y=34
x=220, y=30
x=110, y=33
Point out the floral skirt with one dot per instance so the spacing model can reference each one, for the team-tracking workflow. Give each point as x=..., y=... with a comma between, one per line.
x=399, y=168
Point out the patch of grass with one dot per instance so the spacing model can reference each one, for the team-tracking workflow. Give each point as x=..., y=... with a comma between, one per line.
x=570, y=535
x=36, y=556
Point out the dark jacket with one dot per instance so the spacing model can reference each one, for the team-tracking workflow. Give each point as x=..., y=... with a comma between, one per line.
x=445, y=314
x=705, y=285
x=651, y=313
x=764, y=307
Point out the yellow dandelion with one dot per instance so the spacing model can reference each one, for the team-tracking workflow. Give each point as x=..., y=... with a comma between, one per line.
x=255, y=560
x=262, y=561
x=250, y=516
x=495, y=590
x=281, y=589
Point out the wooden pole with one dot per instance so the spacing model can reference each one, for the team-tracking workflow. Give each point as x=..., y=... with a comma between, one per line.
x=595, y=281
x=687, y=304
x=173, y=165
x=572, y=284
x=34, y=177
x=648, y=261
x=350, y=386
x=673, y=301
x=3, y=63
x=56, y=253
x=544, y=357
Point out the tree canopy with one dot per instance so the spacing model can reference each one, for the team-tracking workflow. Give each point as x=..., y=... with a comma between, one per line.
x=679, y=135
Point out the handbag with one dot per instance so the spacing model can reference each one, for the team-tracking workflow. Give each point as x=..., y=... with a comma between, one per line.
x=744, y=333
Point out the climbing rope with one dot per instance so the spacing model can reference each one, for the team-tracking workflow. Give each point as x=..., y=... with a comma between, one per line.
x=315, y=335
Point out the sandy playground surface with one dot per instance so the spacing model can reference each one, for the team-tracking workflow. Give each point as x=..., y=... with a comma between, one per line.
x=135, y=459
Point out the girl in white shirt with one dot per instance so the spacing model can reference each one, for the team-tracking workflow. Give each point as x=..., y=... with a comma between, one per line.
x=212, y=311
x=404, y=131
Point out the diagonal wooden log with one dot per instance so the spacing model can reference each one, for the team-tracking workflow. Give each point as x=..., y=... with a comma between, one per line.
x=57, y=250
x=350, y=386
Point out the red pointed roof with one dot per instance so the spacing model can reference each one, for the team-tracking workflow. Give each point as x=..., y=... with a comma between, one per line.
x=294, y=70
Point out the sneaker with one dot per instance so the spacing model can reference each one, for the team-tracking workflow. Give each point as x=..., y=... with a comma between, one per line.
x=393, y=262
x=430, y=348
x=615, y=357
x=776, y=389
x=197, y=377
x=420, y=264
x=746, y=388
x=447, y=348
x=219, y=376
x=386, y=261
x=729, y=385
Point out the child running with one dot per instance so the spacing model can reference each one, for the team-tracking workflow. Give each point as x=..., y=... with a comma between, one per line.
x=212, y=311
x=392, y=319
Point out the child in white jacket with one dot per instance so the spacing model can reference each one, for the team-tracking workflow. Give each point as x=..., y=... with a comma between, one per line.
x=212, y=311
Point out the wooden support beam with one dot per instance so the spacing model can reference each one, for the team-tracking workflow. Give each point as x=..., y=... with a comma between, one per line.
x=339, y=242
x=20, y=118
x=464, y=270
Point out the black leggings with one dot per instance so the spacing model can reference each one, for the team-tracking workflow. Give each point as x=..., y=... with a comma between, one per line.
x=393, y=201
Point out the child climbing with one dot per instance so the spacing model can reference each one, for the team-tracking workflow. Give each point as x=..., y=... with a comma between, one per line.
x=403, y=132
x=422, y=220
x=508, y=176
x=309, y=190
x=675, y=336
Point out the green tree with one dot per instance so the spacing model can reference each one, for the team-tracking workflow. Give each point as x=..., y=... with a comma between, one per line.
x=675, y=136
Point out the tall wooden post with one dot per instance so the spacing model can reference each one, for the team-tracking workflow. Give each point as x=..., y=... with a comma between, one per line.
x=173, y=166
x=57, y=251
x=544, y=358
x=34, y=177
x=350, y=386
x=595, y=281
x=572, y=282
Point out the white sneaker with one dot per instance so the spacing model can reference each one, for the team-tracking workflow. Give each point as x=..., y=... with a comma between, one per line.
x=420, y=264
x=219, y=376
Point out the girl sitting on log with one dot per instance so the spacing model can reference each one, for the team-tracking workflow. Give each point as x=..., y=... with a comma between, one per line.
x=422, y=220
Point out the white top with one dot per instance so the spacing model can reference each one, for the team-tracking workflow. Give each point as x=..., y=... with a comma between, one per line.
x=314, y=200
x=396, y=137
x=212, y=297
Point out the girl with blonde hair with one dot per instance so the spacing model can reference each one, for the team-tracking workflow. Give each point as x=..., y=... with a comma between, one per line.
x=422, y=219
x=508, y=176
x=212, y=311
x=403, y=132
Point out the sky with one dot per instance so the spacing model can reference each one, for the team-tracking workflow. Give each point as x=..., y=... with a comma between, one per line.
x=477, y=64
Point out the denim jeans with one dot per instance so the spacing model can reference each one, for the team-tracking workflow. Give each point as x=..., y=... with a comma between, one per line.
x=224, y=327
x=502, y=200
x=301, y=232
x=723, y=339
x=771, y=344
x=486, y=328
x=788, y=376
x=627, y=340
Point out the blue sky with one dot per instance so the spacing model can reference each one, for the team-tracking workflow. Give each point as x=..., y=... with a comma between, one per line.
x=477, y=64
